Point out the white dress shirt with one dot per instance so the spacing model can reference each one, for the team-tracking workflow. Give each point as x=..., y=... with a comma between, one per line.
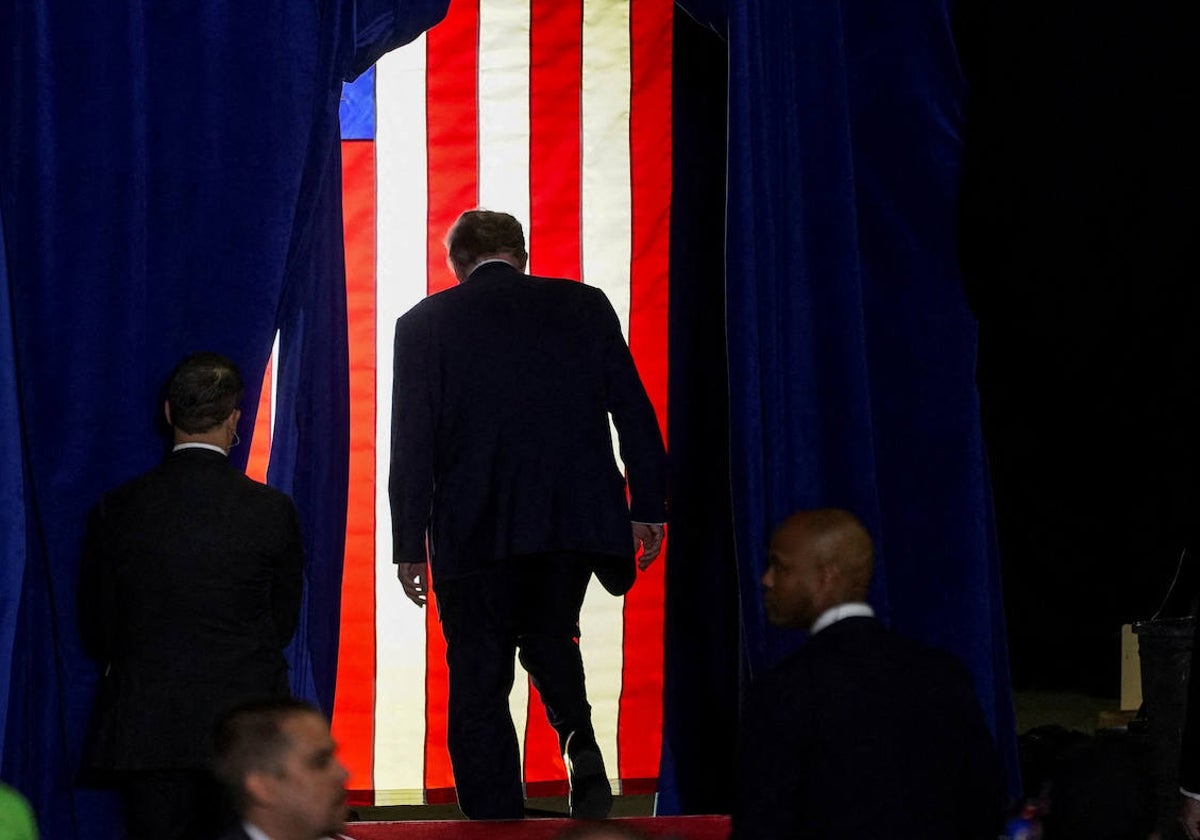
x=835, y=614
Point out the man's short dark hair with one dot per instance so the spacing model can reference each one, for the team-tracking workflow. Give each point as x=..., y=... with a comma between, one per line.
x=204, y=389
x=250, y=739
x=478, y=233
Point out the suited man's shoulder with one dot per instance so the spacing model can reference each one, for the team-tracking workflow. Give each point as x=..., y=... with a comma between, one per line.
x=238, y=832
x=554, y=292
x=866, y=643
x=428, y=306
x=265, y=494
x=872, y=635
x=186, y=468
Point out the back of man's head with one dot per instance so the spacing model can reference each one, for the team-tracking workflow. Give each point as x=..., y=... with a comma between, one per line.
x=204, y=389
x=276, y=758
x=480, y=234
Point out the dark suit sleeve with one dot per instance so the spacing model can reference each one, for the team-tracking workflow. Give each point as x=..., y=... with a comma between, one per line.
x=97, y=589
x=410, y=483
x=287, y=583
x=641, y=443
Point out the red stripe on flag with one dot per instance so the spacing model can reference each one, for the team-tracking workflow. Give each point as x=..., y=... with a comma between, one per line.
x=260, y=438
x=639, y=734
x=555, y=77
x=354, y=704
x=451, y=114
x=555, y=81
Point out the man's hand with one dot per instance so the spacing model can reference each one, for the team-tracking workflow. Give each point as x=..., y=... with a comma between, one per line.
x=1189, y=817
x=650, y=538
x=414, y=577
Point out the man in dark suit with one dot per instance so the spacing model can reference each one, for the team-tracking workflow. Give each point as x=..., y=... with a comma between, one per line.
x=502, y=467
x=190, y=588
x=279, y=764
x=859, y=733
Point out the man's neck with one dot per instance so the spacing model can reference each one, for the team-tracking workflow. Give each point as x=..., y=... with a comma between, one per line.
x=507, y=259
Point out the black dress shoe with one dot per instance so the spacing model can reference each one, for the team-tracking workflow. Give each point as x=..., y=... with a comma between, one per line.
x=591, y=794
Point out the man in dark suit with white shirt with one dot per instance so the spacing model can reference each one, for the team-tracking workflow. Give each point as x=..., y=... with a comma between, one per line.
x=279, y=763
x=858, y=733
x=503, y=479
x=190, y=589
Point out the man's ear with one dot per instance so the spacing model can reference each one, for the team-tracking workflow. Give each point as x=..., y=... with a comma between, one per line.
x=167, y=412
x=260, y=787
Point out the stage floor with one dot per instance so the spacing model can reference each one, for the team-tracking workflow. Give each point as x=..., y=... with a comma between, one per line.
x=548, y=806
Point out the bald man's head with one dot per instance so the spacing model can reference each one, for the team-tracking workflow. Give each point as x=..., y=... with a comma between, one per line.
x=817, y=560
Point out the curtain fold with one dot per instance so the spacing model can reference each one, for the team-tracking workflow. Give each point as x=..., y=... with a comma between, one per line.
x=170, y=184
x=851, y=348
x=12, y=491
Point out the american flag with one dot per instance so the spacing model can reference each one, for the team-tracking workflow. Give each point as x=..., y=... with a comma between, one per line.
x=557, y=111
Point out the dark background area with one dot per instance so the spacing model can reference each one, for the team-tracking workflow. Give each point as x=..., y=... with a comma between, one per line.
x=1077, y=223
x=1077, y=226
x=702, y=630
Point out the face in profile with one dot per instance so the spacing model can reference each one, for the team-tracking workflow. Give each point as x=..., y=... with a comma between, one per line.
x=311, y=784
x=793, y=584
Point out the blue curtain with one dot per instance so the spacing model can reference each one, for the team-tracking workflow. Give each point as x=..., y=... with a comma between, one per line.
x=851, y=349
x=12, y=490
x=170, y=183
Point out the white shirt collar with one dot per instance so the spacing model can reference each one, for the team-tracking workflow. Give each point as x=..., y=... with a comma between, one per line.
x=482, y=263
x=852, y=609
x=211, y=446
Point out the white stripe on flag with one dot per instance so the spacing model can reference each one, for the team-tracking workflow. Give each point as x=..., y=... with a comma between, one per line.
x=607, y=248
x=401, y=283
x=504, y=107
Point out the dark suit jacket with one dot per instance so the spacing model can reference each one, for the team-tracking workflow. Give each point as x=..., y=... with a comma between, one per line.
x=190, y=588
x=235, y=833
x=862, y=734
x=501, y=444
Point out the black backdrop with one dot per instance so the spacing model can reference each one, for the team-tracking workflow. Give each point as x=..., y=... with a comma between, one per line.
x=1079, y=221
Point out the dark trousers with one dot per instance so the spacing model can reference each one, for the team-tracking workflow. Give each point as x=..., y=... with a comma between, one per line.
x=175, y=805
x=530, y=604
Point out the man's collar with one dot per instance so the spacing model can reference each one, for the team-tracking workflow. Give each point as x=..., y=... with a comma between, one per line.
x=832, y=615
x=193, y=445
x=253, y=831
x=490, y=261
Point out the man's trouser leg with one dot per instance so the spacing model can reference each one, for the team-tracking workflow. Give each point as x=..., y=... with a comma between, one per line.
x=551, y=594
x=552, y=590
x=477, y=620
